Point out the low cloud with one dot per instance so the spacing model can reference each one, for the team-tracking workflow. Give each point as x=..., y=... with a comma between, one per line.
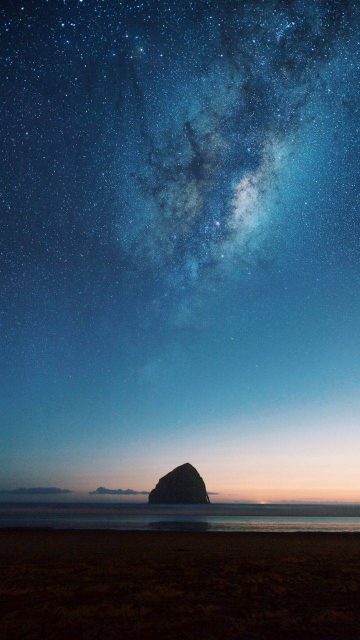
x=34, y=491
x=118, y=492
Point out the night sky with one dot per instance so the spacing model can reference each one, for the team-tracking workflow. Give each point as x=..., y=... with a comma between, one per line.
x=180, y=246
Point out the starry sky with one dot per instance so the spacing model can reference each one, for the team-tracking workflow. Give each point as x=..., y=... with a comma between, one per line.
x=180, y=246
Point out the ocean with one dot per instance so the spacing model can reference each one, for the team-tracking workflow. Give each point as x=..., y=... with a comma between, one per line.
x=212, y=518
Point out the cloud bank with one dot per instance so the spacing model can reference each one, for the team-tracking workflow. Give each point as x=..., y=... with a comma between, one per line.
x=117, y=492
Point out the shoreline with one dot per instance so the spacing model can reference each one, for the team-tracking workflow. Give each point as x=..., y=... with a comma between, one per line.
x=179, y=532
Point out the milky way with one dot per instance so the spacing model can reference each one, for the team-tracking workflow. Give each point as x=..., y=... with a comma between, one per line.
x=205, y=177
x=158, y=129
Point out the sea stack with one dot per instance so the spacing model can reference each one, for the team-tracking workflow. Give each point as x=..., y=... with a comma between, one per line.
x=182, y=485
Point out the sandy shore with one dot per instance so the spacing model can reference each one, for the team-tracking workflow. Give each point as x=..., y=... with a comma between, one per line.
x=107, y=585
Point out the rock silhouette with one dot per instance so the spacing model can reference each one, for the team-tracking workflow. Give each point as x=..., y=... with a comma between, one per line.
x=183, y=485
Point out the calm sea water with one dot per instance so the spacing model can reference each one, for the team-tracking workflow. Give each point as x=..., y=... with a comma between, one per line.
x=143, y=517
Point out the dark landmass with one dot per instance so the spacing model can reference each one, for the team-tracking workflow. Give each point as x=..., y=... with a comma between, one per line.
x=183, y=485
x=141, y=586
x=102, y=491
x=34, y=491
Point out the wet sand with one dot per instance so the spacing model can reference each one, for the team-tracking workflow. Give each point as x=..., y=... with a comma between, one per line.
x=106, y=585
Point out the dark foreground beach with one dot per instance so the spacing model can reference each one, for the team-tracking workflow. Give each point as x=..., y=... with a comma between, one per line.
x=106, y=585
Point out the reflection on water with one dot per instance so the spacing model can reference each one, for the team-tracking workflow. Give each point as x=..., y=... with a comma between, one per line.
x=179, y=525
